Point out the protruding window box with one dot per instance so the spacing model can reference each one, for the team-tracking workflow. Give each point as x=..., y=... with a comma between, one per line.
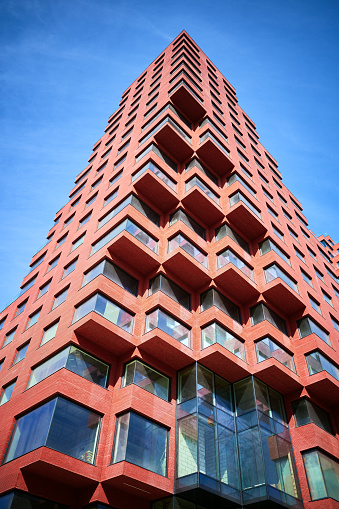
x=105, y=323
x=187, y=262
x=153, y=183
x=279, y=372
x=236, y=277
x=215, y=155
x=323, y=379
x=187, y=101
x=202, y=201
x=151, y=485
x=245, y=216
x=126, y=241
x=174, y=140
x=218, y=347
x=281, y=290
x=168, y=337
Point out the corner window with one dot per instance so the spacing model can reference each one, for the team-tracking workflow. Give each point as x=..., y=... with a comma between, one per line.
x=141, y=442
x=75, y=360
x=63, y=426
x=138, y=373
x=322, y=474
x=306, y=412
x=307, y=326
x=261, y=312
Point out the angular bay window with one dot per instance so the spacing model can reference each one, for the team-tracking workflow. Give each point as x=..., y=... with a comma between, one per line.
x=316, y=363
x=161, y=283
x=215, y=333
x=141, y=442
x=226, y=230
x=228, y=256
x=75, y=360
x=134, y=230
x=213, y=298
x=115, y=274
x=17, y=499
x=158, y=319
x=60, y=425
x=306, y=412
x=181, y=241
x=237, y=197
x=267, y=348
x=261, y=312
x=274, y=271
x=308, y=326
x=106, y=308
x=268, y=245
x=196, y=181
x=137, y=204
x=322, y=475
x=138, y=373
x=180, y=215
x=159, y=173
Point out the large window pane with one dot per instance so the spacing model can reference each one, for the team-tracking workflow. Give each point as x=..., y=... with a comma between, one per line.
x=141, y=442
x=306, y=412
x=322, y=474
x=266, y=348
x=165, y=285
x=213, y=298
x=115, y=274
x=161, y=320
x=214, y=333
x=107, y=309
x=146, y=377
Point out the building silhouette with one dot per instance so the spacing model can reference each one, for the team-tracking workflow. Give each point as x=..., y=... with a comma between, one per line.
x=175, y=342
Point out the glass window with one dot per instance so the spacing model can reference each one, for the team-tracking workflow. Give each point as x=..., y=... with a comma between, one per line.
x=307, y=326
x=278, y=233
x=228, y=256
x=134, y=230
x=306, y=412
x=322, y=475
x=319, y=274
x=165, y=285
x=268, y=245
x=60, y=425
x=327, y=298
x=75, y=360
x=53, y=263
x=315, y=305
x=137, y=204
x=180, y=215
x=110, y=197
x=236, y=178
x=261, y=312
x=77, y=242
x=84, y=220
x=2, y=322
x=266, y=348
x=215, y=333
x=91, y=200
x=28, y=285
x=335, y=323
x=69, y=268
x=21, y=499
x=181, y=241
x=49, y=333
x=306, y=278
x=6, y=393
x=138, y=373
x=60, y=298
x=32, y=320
x=115, y=178
x=213, y=298
x=158, y=319
x=226, y=230
x=1, y=363
x=141, y=442
x=115, y=274
x=44, y=289
x=237, y=197
x=106, y=308
x=9, y=337
x=316, y=363
x=299, y=254
x=20, y=353
x=61, y=241
x=20, y=309
x=274, y=271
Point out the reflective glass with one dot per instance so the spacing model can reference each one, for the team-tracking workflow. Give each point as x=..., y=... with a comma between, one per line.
x=266, y=348
x=181, y=241
x=6, y=393
x=228, y=256
x=141, y=442
x=226, y=230
x=159, y=173
x=161, y=320
x=214, y=333
x=307, y=326
x=322, y=474
x=316, y=362
x=49, y=333
x=213, y=298
x=107, y=309
x=235, y=198
x=306, y=412
x=195, y=181
x=115, y=274
x=148, y=378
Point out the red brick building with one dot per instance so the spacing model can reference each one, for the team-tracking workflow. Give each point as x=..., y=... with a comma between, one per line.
x=175, y=342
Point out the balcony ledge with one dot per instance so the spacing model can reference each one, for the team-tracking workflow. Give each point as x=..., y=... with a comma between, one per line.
x=214, y=157
x=283, y=297
x=202, y=206
x=186, y=269
x=236, y=283
x=246, y=221
x=168, y=350
x=187, y=103
x=150, y=186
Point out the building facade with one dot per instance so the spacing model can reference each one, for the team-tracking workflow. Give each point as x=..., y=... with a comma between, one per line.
x=175, y=342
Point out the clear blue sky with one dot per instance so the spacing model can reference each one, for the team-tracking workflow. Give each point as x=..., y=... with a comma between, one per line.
x=65, y=64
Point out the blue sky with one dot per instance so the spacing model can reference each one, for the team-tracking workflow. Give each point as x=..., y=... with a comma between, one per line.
x=64, y=66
